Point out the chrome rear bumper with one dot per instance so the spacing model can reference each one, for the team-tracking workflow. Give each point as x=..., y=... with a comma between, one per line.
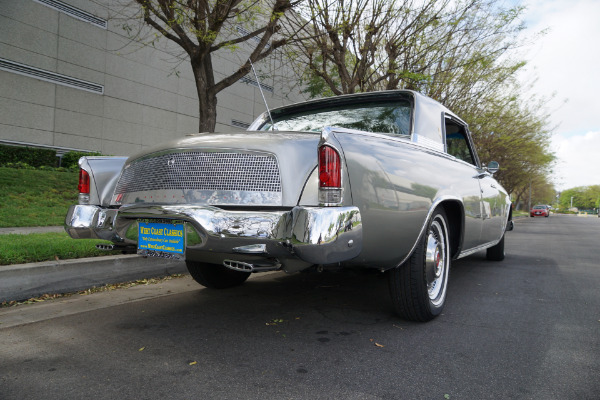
x=315, y=235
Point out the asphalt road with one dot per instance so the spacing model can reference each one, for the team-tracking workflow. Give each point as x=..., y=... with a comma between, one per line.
x=524, y=328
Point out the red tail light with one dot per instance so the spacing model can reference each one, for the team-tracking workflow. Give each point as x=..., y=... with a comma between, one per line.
x=84, y=182
x=330, y=175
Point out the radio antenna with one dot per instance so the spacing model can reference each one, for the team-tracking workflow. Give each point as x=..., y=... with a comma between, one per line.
x=263, y=96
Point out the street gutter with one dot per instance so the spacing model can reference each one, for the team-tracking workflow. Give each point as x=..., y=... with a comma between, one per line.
x=24, y=281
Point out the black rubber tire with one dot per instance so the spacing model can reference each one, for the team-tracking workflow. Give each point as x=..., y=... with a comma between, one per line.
x=215, y=276
x=496, y=253
x=409, y=289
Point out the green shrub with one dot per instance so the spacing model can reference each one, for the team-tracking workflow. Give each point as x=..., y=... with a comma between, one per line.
x=70, y=160
x=45, y=159
x=28, y=155
x=19, y=165
x=563, y=211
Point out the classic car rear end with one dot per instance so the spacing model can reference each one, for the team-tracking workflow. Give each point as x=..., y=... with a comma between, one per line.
x=365, y=181
x=245, y=207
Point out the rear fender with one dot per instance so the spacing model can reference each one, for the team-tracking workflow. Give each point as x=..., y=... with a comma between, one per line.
x=310, y=191
x=104, y=173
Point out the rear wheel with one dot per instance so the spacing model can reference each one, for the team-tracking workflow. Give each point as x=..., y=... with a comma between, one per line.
x=418, y=287
x=215, y=276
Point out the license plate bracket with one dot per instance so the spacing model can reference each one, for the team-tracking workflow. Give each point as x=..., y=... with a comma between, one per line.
x=161, y=238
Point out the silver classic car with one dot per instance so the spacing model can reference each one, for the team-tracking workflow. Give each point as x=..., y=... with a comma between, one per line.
x=385, y=180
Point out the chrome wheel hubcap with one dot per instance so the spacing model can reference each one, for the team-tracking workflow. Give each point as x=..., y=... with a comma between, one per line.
x=436, y=262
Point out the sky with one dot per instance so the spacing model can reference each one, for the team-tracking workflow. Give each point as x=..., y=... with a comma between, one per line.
x=566, y=62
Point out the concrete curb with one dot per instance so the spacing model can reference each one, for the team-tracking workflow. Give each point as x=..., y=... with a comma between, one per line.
x=23, y=281
x=31, y=229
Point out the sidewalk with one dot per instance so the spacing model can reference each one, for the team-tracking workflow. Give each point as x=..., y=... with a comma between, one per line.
x=24, y=281
x=31, y=229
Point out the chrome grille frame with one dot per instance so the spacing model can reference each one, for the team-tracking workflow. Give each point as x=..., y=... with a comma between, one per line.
x=223, y=170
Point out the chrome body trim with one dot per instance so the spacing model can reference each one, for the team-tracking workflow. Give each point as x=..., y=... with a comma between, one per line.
x=251, y=249
x=468, y=252
x=315, y=235
x=203, y=197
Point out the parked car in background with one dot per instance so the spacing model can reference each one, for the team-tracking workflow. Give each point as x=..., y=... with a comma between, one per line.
x=388, y=181
x=541, y=210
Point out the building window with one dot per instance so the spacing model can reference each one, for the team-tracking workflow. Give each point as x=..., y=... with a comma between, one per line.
x=48, y=76
x=74, y=12
x=253, y=82
x=240, y=124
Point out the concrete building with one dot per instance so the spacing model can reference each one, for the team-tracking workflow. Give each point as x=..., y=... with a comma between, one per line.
x=71, y=78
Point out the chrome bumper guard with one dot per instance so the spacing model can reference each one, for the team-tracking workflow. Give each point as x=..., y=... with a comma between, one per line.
x=316, y=235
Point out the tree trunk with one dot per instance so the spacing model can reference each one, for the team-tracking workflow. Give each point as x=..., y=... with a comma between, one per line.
x=207, y=112
x=207, y=99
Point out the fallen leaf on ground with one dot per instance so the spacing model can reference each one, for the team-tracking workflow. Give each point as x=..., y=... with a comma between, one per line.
x=194, y=363
x=141, y=349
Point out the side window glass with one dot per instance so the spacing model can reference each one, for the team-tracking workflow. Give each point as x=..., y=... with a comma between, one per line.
x=457, y=144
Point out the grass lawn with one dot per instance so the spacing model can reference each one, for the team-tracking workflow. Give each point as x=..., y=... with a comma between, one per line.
x=19, y=249
x=39, y=198
x=35, y=197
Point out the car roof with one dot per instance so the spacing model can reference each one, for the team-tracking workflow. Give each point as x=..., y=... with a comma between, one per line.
x=426, y=126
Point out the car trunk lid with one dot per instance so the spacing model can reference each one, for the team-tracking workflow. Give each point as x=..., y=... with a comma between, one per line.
x=262, y=169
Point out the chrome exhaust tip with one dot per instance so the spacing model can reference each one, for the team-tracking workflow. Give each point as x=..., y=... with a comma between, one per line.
x=261, y=266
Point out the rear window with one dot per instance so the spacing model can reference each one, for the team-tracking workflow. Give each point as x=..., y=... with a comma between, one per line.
x=390, y=117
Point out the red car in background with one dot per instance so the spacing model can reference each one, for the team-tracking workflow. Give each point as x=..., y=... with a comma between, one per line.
x=540, y=211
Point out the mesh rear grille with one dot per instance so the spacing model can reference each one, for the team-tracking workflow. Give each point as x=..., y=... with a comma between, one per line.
x=202, y=171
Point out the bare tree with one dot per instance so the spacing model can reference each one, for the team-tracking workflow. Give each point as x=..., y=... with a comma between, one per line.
x=462, y=53
x=203, y=27
x=446, y=49
x=349, y=40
